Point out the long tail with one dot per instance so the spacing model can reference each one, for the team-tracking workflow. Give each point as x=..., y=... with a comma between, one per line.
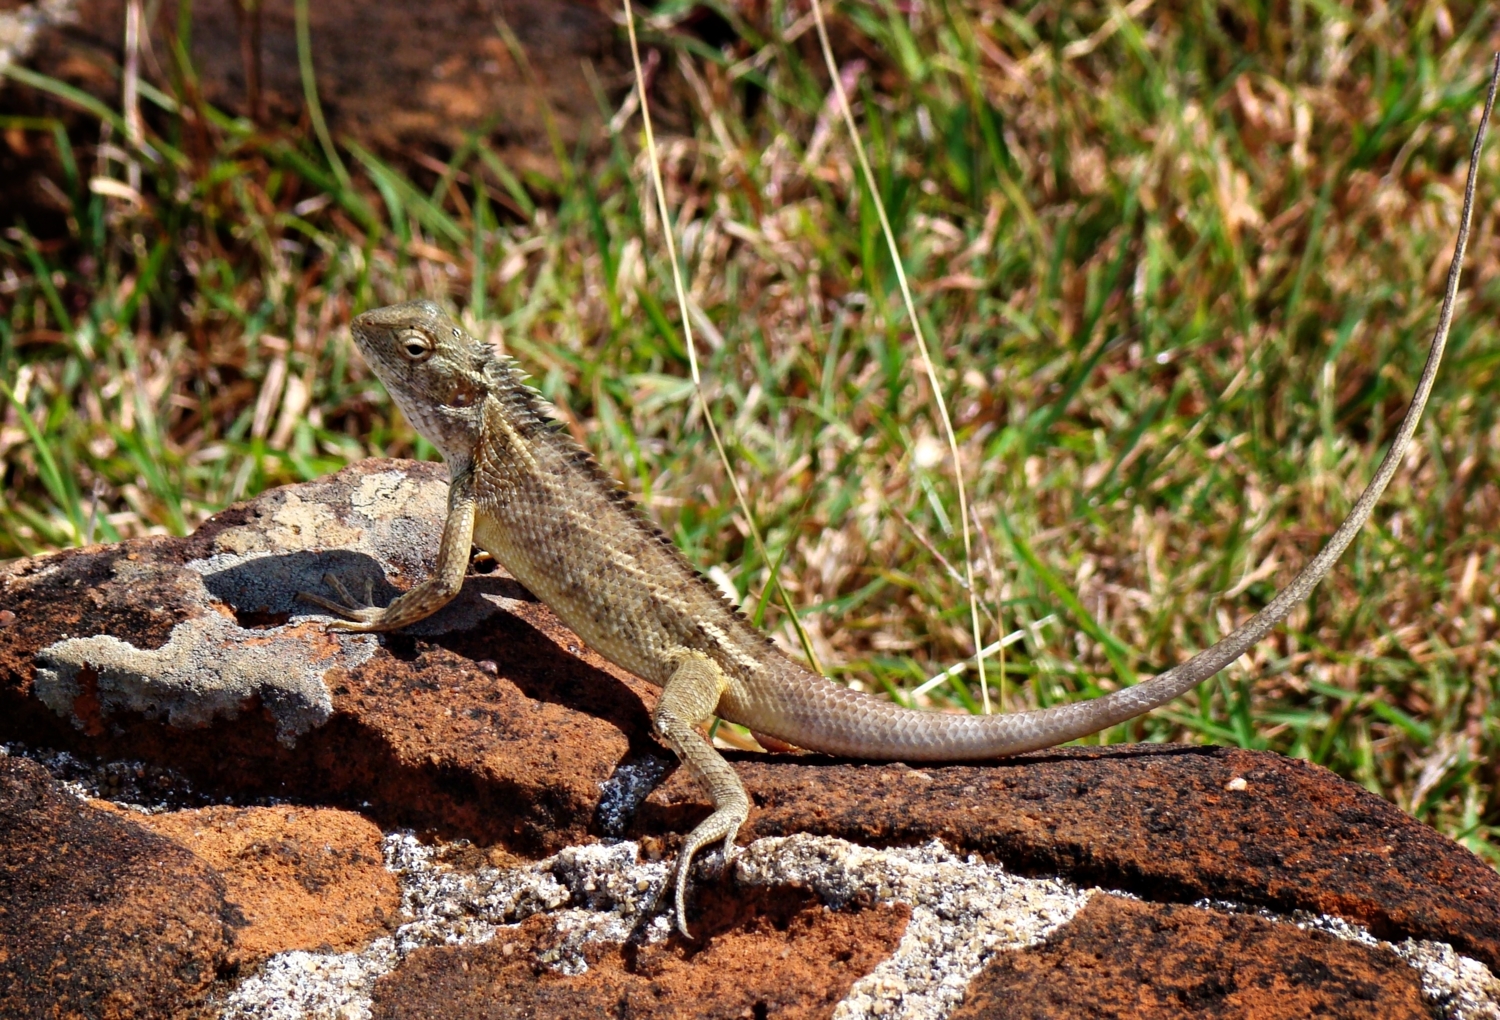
x=830, y=718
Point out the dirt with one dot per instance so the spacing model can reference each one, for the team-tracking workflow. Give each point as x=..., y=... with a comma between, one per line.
x=406, y=80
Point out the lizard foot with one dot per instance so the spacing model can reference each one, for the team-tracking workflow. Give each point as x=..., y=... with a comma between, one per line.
x=722, y=824
x=357, y=615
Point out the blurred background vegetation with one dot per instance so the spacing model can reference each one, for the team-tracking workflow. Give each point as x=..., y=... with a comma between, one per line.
x=1180, y=262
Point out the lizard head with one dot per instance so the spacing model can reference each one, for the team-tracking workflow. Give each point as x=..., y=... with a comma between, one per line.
x=434, y=371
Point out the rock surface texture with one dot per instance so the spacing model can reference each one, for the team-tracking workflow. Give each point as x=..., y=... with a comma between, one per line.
x=98, y=915
x=300, y=877
x=470, y=820
x=1125, y=958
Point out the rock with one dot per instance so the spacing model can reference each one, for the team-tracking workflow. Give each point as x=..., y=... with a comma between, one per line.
x=490, y=723
x=302, y=878
x=399, y=78
x=1168, y=823
x=199, y=656
x=579, y=934
x=1146, y=961
x=100, y=917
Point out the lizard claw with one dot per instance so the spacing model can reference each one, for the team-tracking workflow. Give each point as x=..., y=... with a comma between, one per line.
x=357, y=615
x=696, y=840
x=679, y=883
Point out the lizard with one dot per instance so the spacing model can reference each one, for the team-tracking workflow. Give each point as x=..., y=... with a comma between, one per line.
x=523, y=490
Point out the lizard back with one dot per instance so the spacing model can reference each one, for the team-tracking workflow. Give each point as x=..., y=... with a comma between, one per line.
x=577, y=540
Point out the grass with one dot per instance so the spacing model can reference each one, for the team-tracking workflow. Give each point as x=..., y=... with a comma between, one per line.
x=1178, y=266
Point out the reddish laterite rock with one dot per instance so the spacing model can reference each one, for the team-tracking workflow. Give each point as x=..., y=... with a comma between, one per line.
x=292, y=749
x=99, y=916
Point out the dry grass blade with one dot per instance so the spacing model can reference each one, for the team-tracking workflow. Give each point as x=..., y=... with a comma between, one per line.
x=847, y=114
x=692, y=349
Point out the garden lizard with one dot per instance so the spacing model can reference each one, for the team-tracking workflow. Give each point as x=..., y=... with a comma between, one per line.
x=527, y=493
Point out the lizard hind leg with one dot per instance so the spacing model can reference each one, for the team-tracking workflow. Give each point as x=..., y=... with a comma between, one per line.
x=689, y=698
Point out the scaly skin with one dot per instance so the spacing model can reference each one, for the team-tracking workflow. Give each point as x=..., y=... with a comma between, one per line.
x=525, y=492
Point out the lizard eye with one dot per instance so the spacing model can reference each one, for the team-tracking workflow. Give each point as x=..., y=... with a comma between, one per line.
x=416, y=346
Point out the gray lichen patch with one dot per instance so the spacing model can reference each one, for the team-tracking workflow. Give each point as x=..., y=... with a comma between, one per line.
x=964, y=911
x=209, y=668
x=386, y=523
x=392, y=494
x=247, y=640
x=363, y=532
x=295, y=525
x=388, y=515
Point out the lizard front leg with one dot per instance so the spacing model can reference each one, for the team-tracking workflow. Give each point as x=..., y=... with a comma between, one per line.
x=430, y=595
x=689, y=699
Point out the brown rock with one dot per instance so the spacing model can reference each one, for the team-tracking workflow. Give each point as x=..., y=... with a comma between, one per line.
x=1124, y=959
x=304, y=878
x=408, y=727
x=772, y=954
x=489, y=721
x=1165, y=822
x=98, y=916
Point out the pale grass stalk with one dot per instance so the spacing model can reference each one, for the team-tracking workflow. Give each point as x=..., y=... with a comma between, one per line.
x=916, y=328
x=1005, y=642
x=130, y=93
x=692, y=351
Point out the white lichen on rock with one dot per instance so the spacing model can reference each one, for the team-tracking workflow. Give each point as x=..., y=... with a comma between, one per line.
x=209, y=668
x=313, y=986
x=595, y=893
x=963, y=911
x=1459, y=987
